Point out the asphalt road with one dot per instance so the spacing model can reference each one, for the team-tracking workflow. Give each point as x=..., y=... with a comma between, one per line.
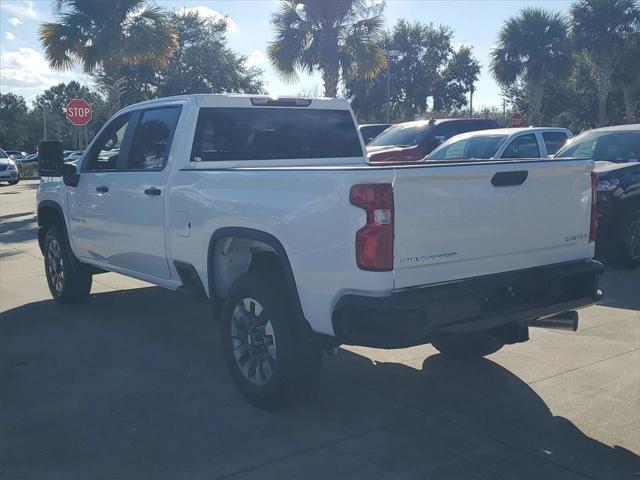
x=132, y=385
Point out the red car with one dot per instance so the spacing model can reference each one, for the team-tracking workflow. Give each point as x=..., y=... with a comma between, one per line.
x=412, y=141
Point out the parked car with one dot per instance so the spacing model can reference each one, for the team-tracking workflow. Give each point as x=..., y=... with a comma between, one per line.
x=413, y=141
x=16, y=154
x=538, y=142
x=8, y=169
x=616, y=151
x=268, y=208
x=75, y=155
x=372, y=130
x=28, y=166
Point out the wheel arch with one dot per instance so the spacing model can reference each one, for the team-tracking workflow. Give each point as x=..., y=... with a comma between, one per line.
x=279, y=252
x=49, y=213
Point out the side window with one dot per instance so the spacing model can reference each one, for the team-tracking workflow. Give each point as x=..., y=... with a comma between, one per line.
x=105, y=152
x=152, y=139
x=554, y=141
x=525, y=146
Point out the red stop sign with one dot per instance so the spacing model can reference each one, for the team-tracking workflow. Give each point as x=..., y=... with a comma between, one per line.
x=78, y=111
x=518, y=120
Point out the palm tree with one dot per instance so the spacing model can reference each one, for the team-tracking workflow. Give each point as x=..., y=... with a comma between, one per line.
x=599, y=29
x=333, y=36
x=105, y=36
x=532, y=47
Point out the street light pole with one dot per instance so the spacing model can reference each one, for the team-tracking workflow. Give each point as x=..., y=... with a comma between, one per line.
x=390, y=54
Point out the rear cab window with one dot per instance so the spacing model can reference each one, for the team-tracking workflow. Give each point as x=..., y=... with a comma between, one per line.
x=277, y=133
x=554, y=141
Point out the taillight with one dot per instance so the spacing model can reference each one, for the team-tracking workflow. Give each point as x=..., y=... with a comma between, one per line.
x=593, y=227
x=374, y=241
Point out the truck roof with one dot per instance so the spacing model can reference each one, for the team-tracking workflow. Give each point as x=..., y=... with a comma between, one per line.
x=245, y=100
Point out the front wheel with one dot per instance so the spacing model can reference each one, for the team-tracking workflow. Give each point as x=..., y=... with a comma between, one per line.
x=69, y=281
x=270, y=360
x=467, y=345
x=14, y=182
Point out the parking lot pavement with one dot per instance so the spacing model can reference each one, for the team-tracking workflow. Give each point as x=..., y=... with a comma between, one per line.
x=131, y=384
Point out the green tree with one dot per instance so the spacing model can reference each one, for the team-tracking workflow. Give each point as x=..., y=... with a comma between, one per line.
x=425, y=66
x=337, y=37
x=627, y=75
x=201, y=63
x=13, y=115
x=532, y=47
x=105, y=36
x=600, y=29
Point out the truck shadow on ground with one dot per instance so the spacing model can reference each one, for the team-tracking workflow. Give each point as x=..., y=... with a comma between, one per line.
x=132, y=384
x=621, y=288
x=18, y=227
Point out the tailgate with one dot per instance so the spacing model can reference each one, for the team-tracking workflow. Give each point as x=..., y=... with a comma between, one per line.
x=452, y=222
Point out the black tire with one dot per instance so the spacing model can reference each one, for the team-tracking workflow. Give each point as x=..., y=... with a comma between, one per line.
x=626, y=246
x=467, y=345
x=284, y=357
x=69, y=280
x=14, y=182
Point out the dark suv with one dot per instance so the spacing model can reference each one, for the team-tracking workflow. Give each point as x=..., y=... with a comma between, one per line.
x=412, y=141
x=616, y=151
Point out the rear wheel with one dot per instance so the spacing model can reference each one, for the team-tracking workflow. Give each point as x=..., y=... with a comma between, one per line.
x=271, y=361
x=626, y=249
x=69, y=281
x=467, y=345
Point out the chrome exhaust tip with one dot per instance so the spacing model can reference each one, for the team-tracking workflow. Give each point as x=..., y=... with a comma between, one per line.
x=567, y=321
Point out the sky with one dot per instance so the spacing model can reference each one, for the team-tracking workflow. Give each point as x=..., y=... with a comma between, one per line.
x=24, y=70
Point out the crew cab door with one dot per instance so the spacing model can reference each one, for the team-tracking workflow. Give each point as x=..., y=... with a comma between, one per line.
x=130, y=213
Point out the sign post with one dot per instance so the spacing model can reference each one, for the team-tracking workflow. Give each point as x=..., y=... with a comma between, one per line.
x=79, y=113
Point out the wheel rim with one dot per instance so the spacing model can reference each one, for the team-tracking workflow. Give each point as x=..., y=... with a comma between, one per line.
x=632, y=240
x=55, y=265
x=253, y=341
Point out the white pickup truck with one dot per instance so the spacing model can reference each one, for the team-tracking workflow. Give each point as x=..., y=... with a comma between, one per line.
x=268, y=208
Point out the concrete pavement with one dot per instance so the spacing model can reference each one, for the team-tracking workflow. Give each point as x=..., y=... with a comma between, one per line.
x=132, y=384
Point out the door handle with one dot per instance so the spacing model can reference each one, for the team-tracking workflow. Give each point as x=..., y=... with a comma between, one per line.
x=102, y=189
x=507, y=179
x=152, y=191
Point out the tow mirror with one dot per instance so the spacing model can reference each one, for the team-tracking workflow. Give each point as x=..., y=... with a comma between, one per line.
x=50, y=158
x=70, y=175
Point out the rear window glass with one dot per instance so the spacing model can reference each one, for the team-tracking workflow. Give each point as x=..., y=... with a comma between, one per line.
x=401, y=136
x=554, y=141
x=274, y=134
x=480, y=147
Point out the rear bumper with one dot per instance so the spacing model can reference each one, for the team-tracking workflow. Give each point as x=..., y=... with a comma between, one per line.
x=409, y=317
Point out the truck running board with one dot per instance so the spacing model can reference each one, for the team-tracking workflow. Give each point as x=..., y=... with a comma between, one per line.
x=562, y=321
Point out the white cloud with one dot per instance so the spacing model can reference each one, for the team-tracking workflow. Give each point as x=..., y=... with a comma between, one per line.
x=26, y=68
x=207, y=12
x=16, y=22
x=256, y=58
x=9, y=36
x=23, y=10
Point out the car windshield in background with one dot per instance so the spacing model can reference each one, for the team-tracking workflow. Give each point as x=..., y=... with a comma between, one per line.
x=471, y=148
x=400, y=136
x=274, y=134
x=617, y=147
x=3, y=155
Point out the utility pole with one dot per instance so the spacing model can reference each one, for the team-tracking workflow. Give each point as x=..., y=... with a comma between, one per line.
x=390, y=54
x=471, y=102
x=504, y=112
x=44, y=121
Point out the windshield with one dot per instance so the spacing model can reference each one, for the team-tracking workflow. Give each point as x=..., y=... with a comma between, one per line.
x=478, y=147
x=617, y=147
x=400, y=136
x=3, y=155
